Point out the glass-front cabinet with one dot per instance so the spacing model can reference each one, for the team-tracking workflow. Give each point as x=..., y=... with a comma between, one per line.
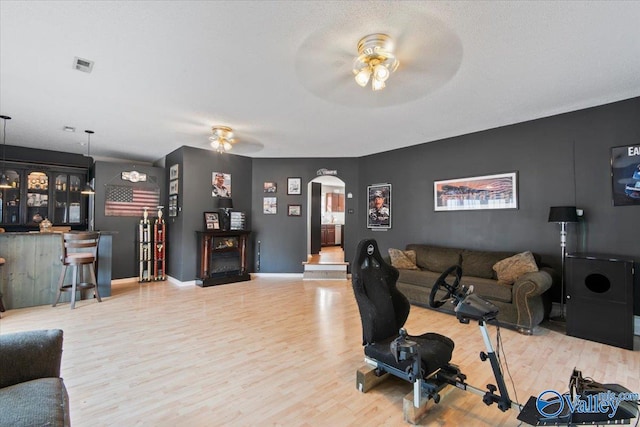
x=37, y=193
x=10, y=199
x=37, y=197
x=67, y=199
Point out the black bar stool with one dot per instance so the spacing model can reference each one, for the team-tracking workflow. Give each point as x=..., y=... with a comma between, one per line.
x=80, y=251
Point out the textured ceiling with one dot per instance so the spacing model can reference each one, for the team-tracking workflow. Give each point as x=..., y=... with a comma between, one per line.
x=279, y=72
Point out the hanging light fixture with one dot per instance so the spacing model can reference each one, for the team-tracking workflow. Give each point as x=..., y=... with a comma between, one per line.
x=375, y=61
x=221, y=139
x=88, y=189
x=4, y=181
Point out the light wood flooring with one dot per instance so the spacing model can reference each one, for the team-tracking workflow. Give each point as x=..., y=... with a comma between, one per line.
x=277, y=352
x=327, y=255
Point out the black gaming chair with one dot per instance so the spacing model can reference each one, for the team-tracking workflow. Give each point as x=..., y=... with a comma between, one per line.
x=384, y=310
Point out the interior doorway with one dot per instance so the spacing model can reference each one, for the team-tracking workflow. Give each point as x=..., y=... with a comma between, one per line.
x=325, y=220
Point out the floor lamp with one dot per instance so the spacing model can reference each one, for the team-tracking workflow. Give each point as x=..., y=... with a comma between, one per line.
x=563, y=215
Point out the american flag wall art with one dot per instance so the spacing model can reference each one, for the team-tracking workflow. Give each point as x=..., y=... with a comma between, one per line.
x=130, y=201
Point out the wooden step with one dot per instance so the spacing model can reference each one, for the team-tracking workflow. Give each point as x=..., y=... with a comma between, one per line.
x=325, y=271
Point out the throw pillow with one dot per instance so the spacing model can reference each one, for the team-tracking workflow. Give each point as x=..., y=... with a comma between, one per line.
x=403, y=259
x=509, y=269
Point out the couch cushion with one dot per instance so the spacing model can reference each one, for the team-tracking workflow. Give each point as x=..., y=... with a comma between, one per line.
x=509, y=269
x=480, y=263
x=424, y=278
x=403, y=259
x=488, y=288
x=41, y=402
x=435, y=258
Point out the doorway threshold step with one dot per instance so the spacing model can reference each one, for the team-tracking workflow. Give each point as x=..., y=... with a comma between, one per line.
x=326, y=271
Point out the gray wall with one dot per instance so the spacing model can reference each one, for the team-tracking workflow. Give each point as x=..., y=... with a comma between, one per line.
x=195, y=171
x=542, y=153
x=125, y=256
x=283, y=239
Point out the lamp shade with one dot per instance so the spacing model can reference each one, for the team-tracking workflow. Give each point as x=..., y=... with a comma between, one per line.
x=563, y=214
x=222, y=203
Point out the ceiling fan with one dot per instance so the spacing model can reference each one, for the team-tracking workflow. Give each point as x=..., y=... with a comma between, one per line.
x=428, y=52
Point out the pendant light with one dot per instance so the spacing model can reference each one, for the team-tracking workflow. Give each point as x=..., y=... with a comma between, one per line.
x=88, y=189
x=4, y=181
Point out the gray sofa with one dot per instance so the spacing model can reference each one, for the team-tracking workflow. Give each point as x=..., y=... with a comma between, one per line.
x=523, y=305
x=31, y=390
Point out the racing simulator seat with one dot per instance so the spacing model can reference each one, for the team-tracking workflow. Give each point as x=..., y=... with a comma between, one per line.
x=422, y=360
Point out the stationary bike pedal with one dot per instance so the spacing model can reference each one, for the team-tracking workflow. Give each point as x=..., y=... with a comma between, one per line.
x=483, y=356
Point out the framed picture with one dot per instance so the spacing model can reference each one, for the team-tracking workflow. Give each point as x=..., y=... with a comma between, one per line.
x=173, y=205
x=625, y=175
x=173, y=186
x=270, y=206
x=294, y=186
x=211, y=221
x=270, y=187
x=220, y=184
x=294, y=210
x=379, y=208
x=173, y=172
x=498, y=191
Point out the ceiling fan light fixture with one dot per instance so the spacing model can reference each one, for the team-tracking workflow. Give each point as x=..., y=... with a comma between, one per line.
x=362, y=76
x=375, y=61
x=221, y=138
x=377, y=84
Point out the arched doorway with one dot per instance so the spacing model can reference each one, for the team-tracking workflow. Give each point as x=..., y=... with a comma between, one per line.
x=326, y=218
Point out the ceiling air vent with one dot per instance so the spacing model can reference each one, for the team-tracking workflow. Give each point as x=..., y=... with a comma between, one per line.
x=82, y=64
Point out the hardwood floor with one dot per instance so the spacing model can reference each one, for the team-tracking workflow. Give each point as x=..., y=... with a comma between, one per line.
x=328, y=254
x=277, y=352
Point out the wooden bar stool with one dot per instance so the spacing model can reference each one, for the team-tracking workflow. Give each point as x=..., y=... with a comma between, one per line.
x=80, y=251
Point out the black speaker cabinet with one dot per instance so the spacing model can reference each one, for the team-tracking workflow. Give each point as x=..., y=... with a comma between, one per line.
x=600, y=298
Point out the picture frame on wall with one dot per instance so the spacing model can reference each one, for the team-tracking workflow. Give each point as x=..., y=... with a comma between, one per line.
x=220, y=184
x=270, y=187
x=294, y=210
x=379, y=207
x=211, y=221
x=173, y=205
x=270, y=206
x=173, y=186
x=174, y=172
x=625, y=175
x=499, y=191
x=294, y=186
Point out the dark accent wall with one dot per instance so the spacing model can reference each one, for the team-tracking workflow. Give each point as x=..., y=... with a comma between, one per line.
x=125, y=254
x=560, y=160
x=194, y=197
x=283, y=239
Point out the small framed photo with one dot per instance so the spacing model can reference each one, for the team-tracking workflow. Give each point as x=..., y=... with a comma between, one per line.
x=211, y=221
x=270, y=187
x=294, y=186
x=270, y=206
x=173, y=172
x=173, y=205
x=294, y=210
x=173, y=186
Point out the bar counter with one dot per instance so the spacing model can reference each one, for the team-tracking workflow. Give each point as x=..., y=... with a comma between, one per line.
x=31, y=272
